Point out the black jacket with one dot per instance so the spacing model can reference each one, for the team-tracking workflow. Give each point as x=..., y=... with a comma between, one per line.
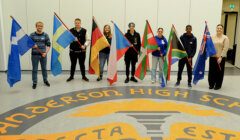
x=136, y=42
x=81, y=35
x=190, y=44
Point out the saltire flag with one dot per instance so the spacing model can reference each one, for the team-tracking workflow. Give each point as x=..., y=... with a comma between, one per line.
x=149, y=45
x=207, y=50
x=62, y=37
x=20, y=44
x=119, y=46
x=175, y=52
x=98, y=42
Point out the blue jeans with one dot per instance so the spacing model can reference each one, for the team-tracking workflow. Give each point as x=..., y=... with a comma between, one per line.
x=35, y=62
x=157, y=61
x=103, y=57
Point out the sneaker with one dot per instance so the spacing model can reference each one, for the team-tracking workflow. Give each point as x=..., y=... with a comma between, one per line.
x=134, y=79
x=189, y=85
x=127, y=80
x=85, y=79
x=211, y=87
x=99, y=78
x=34, y=86
x=177, y=83
x=47, y=83
x=70, y=79
x=153, y=82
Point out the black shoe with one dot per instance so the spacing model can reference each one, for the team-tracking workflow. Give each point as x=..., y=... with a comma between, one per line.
x=85, y=79
x=70, y=79
x=177, y=83
x=47, y=83
x=211, y=87
x=99, y=78
x=127, y=80
x=189, y=85
x=34, y=86
x=217, y=88
x=134, y=79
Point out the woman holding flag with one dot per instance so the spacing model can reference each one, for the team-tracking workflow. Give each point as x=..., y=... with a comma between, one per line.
x=217, y=62
x=104, y=54
x=157, y=56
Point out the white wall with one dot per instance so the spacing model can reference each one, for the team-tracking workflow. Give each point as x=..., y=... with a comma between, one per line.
x=160, y=13
x=2, y=43
x=237, y=60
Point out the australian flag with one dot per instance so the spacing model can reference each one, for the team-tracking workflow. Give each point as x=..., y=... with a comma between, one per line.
x=20, y=44
x=207, y=50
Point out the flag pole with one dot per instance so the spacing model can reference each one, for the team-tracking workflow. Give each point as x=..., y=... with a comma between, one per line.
x=66, y=27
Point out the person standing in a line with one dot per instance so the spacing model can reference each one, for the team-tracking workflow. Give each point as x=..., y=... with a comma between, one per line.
x=131, y=56
x=189, y=42
x=158, y=56
x=104, y=54
x=78, y=50
x=217, y=62
x=39, y=53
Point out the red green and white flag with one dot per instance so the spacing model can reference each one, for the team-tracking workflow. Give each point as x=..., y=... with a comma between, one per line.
x=149, y=45
x=175, y=52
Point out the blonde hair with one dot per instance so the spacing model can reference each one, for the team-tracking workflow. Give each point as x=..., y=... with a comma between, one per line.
x=38, y=22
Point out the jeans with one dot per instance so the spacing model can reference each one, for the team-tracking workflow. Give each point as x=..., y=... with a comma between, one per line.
x=103, y=57
x=155, y=62
x=35, y=62
x=81, y=59
x=181, y=63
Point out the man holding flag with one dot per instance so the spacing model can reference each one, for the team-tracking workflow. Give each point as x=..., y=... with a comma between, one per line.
x=189, y=43
x=39, y=53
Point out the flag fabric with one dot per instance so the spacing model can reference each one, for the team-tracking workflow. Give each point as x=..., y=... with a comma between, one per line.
x=207, y=49
x=175, y=52
x=98, y=42
x=20, y=44
x=62, y=37
x=119, y=46
x=149, y=45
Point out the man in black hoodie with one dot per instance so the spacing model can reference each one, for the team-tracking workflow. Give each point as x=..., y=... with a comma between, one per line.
x=131, y=56
x=189, y=42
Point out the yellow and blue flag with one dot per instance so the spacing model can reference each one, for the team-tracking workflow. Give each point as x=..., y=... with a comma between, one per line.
x=62, y=37
x=20, y=44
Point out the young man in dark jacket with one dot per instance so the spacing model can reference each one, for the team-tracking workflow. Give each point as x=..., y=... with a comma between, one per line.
x=131, y=56
x=78, y=50
x=189, y=42
x=39, y=53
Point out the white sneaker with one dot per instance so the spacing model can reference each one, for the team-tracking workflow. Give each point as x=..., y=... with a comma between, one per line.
x=153, y=82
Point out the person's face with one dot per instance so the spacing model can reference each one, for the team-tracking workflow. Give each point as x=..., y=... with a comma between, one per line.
x=107, y=29
x=219, y=30
x=77, y=24
x=160, y=32
x=132, y=27
x=39, y=27
x=189, y=30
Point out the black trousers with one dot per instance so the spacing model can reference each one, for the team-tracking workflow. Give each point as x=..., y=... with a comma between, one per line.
x=133, y=62
x=182, y=62
x=80, y=56
x=215, y=75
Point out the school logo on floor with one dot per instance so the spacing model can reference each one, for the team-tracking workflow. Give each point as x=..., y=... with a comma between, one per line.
x=125, y=113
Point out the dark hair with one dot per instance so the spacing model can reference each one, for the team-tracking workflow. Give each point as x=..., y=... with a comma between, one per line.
x=77, y=19
x=160, y=28
x=188, y=26
x=131, y=23
x=107, y=34
x=220, y=25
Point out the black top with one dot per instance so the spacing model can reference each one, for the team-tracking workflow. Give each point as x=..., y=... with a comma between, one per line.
x=81, y=36
x=135, y=41
x=107, y=49
x=189, y=43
